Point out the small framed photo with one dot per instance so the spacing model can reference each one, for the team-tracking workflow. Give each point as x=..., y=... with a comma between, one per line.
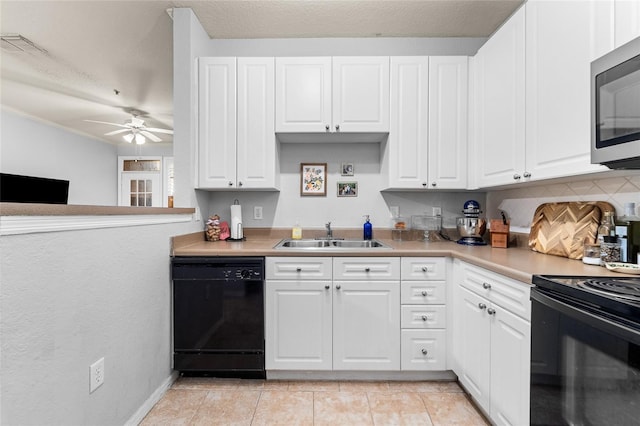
x=346, y=169
x=313, y=179
x=347, y=189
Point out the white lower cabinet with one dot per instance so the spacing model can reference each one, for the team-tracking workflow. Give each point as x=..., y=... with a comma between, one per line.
x=315, y=321
x=492, y=345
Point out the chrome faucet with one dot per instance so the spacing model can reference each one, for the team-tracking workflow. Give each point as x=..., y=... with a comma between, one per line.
x=329, y=230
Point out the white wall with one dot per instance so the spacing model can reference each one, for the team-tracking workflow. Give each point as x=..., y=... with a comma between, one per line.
x=70, y=298
x=33, y=148
x=283, y=209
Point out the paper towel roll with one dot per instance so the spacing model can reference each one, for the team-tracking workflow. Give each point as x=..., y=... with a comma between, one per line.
x=236, y=222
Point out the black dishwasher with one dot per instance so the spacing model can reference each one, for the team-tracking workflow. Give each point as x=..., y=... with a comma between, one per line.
x=218, y=316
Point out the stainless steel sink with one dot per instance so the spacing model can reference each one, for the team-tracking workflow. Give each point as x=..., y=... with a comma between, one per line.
x=334, y=244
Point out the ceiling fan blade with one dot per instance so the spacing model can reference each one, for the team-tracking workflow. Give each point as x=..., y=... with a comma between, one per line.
x=151, y=136
x=106, y=122
x=115, y=132
x=156, y=130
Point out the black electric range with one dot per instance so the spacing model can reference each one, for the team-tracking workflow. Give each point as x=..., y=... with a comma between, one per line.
x=614, y=297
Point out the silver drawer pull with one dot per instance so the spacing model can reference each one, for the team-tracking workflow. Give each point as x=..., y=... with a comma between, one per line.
x=425, y=293
x=367, y=269
x=338, y=286
x=298, y=269
x=482, y=306
x=425, y=269
x=425, y=317
x=491, y=311
x=327, y=287
x=424, y=352
x=486, y=286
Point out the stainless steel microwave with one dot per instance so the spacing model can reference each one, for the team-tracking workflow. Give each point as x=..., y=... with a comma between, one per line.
x=615, y=108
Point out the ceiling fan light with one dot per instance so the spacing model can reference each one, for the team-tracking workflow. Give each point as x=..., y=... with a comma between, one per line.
x=140, y=139
x=128, y=137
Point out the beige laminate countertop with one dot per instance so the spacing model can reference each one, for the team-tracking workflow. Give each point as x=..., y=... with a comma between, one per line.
x=35, y=209
x=518, y=263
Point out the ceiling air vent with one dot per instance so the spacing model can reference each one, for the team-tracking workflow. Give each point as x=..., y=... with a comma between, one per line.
x=16, y=43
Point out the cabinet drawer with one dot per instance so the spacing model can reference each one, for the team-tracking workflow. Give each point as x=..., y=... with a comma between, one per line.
x=366, y=268
x=422, y=292
x=423, y=268
x=423, y=316
x=423, y=350
x=511, y=294
x=294, y=268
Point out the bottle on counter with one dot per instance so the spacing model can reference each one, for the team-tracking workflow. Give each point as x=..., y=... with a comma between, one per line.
x=607, y=226
x=367, y=229
x=296, y=232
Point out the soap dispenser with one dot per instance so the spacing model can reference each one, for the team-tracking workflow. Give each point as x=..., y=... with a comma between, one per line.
x=296, y=232
x=368, y=229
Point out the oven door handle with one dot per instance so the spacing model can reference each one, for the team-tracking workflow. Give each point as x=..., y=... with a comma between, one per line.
x=593, y=320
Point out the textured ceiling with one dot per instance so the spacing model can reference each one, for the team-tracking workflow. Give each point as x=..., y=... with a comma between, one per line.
x=96, y=47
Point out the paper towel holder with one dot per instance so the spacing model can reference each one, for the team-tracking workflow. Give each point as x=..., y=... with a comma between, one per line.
x=239, y=228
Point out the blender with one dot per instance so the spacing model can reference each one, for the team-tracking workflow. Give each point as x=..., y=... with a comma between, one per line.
x=471, y=227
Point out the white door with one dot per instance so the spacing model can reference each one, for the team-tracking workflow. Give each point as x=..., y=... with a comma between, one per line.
x=474, y=345
x=217, y=122
x=256, y=140
x=361, y=94
x=499, y=110
x=141, y=189
x=366, y=325
x=406, y=148
x=558, y=84
x=298, y=325
x=510, y=366
x=303, y=94
x=448, y=101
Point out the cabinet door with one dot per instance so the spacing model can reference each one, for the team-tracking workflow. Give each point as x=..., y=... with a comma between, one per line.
x=448, y=101
x=499, y=109
x=558, y=84
x=423, y=350
x=510, y=366
x=298, y=325
x=405, y=157
x=474, y=345
x=361, y=94
x=256, y=145
x=366, y=325
x=627, y=21
x=303, y=94
x=216, y=122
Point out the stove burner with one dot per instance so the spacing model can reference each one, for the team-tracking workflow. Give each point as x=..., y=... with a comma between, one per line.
x=628, y=288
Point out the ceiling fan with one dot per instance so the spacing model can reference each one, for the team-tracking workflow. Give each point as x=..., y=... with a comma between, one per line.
x=135, y=129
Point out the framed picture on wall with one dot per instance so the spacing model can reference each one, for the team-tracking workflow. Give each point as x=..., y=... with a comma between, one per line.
x=347, y=189
x=313, y=179
x=346, y=169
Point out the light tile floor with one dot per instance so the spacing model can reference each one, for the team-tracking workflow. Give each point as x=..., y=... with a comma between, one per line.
x=210, y=401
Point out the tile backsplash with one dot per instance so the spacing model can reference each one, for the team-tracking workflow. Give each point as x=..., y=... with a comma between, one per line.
x=520, y=203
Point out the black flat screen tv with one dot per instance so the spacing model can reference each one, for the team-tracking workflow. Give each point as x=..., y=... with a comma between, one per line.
x=31, y=189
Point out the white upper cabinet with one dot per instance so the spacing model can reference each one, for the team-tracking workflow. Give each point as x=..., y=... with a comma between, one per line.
x=216, y=122
x=499, y=132
x=236, y=137
x=448, y=102
x=627, y=21
x=558, y=83
x=329, y=95
x=428, y=130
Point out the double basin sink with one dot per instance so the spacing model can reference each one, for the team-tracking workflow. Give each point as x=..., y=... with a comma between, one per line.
x=330, y=244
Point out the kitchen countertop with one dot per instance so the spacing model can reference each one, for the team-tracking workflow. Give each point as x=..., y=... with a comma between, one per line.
x=519, y=263
x=36, y=209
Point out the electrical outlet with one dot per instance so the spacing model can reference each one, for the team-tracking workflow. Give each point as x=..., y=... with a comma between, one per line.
x=257, y=213
x=395, y=211
x=436, y=211
x=96, y=375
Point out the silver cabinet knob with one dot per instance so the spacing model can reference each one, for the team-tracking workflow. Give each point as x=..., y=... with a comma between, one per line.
x=433, y=184
x=424, y=352
x=425, y=269
x=482, y=306
x=230, y=183
x=517, y=176
x=425, y=318
x=338, y=286
x=326, y=127
x=367, y=269
x=491, y=311
x=425, y=293
x=424, y=184
x=239, y=183
x=337, y=127
x=486, y=286
x=526, y=174
x=298, y=269
x=327, y=287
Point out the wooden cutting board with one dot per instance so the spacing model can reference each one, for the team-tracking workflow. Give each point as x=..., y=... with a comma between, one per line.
x=561, y=229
